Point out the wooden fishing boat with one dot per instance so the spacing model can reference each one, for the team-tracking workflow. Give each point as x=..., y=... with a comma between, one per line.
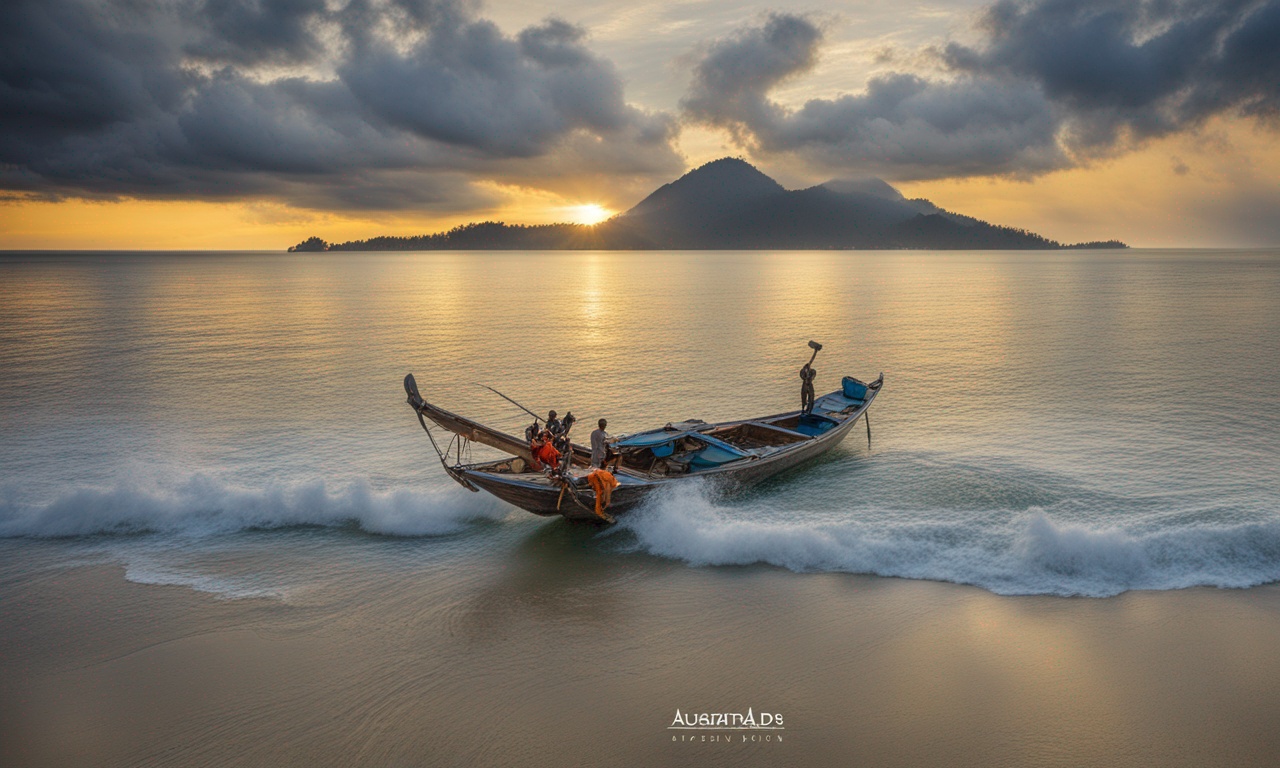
x=731, y=454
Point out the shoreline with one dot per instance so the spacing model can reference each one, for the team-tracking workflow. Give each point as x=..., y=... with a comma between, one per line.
x=567, y=658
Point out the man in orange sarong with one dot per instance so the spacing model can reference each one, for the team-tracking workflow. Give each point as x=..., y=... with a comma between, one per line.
x=546, y=453
x=602, y=482
x=534, y=436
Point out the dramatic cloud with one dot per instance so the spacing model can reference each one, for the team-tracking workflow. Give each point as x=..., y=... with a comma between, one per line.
x=731, y=83
x=903, y=125
x=468, y=85
x=387, y=104
x=255, y=31
x=1053, y=83
x=398, y=103
x=1146, y=69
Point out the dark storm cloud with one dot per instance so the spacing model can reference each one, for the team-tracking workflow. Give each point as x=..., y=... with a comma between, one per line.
x=405, y=105
x=1053, y=83
x=467, y=84
x=68, y=68
x=902, y=125
x=731, y=84
x=1145, y=69
x=255, y=31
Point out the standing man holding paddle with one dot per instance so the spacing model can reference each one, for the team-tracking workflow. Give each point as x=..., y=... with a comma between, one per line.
x=807, y=374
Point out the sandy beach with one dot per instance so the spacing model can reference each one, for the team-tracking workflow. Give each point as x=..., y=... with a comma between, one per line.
x=558, y=658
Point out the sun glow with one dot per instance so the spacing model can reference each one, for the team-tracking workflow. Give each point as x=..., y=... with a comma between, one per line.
x=587, y=214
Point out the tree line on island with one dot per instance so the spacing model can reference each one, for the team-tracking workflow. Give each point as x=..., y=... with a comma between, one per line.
x=729, y=204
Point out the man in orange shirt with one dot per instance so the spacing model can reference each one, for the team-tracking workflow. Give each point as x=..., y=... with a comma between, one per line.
x=602, y=482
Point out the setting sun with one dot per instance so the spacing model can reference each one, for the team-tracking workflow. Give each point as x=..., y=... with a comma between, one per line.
x=587, y=214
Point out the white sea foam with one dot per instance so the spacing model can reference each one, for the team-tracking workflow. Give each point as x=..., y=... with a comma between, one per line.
x=150, y=571
x=201, y=505
x=1029, y=553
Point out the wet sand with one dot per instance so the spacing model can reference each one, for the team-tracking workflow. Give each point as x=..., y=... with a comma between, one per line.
x=564, y=655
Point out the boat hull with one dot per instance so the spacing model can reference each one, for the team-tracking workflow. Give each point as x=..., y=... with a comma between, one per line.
x=549, y=502
x=541, y=495
x=580, y=505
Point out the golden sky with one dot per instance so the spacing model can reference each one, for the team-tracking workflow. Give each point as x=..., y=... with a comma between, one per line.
x=1175, y=192
x=1184, y=191
x=242, y=132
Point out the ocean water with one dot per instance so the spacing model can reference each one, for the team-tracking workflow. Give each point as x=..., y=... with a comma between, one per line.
x=1062, y=423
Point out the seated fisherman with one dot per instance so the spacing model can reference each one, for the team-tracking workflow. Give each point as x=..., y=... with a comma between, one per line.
x=545, y=451
x=566, y=425
x=554, y=424
x=563, y=444
x=534, y=433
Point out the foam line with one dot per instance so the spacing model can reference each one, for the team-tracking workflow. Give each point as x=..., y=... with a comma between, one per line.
x=202, y=505
x=1031, y=553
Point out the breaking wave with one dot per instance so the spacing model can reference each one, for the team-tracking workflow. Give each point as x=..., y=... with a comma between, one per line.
x=1034, y=550
x=1026, y=552
x=202, y=505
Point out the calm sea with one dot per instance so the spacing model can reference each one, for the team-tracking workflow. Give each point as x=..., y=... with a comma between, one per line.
x=1067, y=423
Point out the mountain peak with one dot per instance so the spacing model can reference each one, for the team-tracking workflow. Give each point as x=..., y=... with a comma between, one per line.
x=726, y=167
x=718, y=185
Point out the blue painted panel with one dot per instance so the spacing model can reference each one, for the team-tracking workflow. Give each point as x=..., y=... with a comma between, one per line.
x=853, y=389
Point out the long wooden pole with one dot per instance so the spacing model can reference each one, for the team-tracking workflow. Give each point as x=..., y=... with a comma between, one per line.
x=535, y=416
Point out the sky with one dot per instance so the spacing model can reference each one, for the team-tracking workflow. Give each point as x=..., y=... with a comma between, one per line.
x=257, y=123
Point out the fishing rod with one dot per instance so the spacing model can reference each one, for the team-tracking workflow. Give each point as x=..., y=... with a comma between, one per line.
x=535, y=416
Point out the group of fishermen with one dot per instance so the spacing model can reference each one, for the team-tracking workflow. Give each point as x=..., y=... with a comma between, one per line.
x=552, y=452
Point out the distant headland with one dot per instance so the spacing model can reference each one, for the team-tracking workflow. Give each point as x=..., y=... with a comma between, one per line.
x=728, y=204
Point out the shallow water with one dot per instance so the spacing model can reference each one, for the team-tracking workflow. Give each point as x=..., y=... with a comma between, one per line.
x=1068, y=423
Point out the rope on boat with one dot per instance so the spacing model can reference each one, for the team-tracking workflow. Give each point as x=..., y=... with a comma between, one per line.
x=459, y=445
x=461, y=448
x=444, y=455
x=567, y=484
x=573, y=494
x=430, y=436
x=464, y=445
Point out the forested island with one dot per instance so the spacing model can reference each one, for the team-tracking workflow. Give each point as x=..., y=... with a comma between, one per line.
x=729, y=204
